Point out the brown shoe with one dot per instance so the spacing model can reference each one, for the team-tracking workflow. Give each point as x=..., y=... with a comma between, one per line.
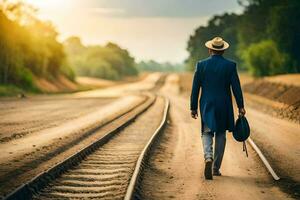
x=208, y=169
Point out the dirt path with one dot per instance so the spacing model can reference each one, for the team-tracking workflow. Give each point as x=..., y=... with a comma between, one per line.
x=176, y=167
x=279, y=141
x=21, y=117
x=35, y=132
x=30, y=124
x=124, y=89
x=22, y=147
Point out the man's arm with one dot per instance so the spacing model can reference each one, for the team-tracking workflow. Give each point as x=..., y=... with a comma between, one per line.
x=195, y=92
x=237, y=91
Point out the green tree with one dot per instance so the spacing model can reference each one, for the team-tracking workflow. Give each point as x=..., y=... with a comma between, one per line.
x=285, y=30
x=276, y=20
x=261, y=20
x=224, y=26
x=264, y=58
x=153, y=66
x=109, y=62
x=28, y=47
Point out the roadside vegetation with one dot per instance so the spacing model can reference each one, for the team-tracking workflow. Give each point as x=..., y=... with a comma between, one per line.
x=28, y=47
x=153, y=66
x=108, y=62
x=33, y=60
x=264, y=38
x=9, y=90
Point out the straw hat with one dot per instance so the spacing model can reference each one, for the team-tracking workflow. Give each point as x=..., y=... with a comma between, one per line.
x=217, y=44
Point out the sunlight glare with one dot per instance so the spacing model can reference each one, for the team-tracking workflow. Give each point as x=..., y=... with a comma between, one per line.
x=49, y=4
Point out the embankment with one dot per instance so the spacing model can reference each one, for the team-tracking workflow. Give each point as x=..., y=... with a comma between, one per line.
x=278, y=95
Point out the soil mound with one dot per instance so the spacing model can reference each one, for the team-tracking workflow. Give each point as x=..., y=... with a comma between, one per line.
x=61, y=84
x=288, y=95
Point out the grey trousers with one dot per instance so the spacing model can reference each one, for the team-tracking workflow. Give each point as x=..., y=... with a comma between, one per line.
x=220, y=143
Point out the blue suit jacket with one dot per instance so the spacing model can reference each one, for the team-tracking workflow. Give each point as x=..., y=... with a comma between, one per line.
x=216, y=76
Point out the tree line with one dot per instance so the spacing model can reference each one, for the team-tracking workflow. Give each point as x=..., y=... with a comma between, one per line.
x=154, y=66
x=109, y=61
x=264, y=39
x=28, y=47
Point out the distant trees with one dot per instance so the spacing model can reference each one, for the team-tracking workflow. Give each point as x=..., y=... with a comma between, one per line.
x=219, y=25
x=109, y=62
x=265, y=29
x=28, y=47
x=152, y=66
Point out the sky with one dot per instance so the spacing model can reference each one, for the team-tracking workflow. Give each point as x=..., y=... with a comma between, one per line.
x=149, y=29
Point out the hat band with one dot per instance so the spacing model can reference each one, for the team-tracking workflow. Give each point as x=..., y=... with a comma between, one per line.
x=218, y=47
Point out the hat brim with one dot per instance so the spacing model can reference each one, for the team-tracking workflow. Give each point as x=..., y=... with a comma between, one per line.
x=209, y=45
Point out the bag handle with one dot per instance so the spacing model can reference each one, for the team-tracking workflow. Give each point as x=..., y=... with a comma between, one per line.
x=245, y=148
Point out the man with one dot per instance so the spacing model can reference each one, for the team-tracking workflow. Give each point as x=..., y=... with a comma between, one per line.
x=215, y=76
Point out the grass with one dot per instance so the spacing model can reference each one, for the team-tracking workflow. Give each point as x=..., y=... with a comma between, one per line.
x=10, y=90
x=14, y=91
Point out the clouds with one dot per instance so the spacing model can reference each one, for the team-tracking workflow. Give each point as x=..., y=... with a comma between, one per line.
x=163, y=8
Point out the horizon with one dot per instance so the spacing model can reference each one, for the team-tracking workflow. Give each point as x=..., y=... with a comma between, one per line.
x=133, y=26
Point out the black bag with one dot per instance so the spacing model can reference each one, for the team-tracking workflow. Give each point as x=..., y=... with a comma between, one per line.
x=241, y=131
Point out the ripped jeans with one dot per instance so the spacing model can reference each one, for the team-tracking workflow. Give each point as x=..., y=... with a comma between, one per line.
x=220, y=143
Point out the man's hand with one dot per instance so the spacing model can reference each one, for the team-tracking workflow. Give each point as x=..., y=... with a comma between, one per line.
x=242, y=111
x=194, y=114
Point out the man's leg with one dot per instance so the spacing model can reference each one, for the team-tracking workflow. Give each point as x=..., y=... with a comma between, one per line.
x=207, y=141
x=220, y=143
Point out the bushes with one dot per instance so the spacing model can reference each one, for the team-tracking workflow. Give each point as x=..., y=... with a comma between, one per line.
x=109, y=62
x=67, y=71
x=24, y=78
x=28, y=49
x=153, y=66
x=264, y=59
x=97, y=67
x=264, y=27
x=9, y=90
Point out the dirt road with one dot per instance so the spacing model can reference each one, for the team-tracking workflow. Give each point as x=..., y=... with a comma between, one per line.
x=176, y=167
x=122, y=90
x=279, y=141
x=32, y=130
x=37, y=129
x=19, y=117
x=26, y=116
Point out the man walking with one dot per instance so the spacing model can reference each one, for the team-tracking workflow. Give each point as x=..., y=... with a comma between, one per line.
x=216, y=76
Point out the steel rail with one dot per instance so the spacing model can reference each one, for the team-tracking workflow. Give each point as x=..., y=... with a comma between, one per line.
x=263, y=159
x=139, y=167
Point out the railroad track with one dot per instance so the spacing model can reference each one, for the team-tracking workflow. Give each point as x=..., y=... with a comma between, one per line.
x=104, y=169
